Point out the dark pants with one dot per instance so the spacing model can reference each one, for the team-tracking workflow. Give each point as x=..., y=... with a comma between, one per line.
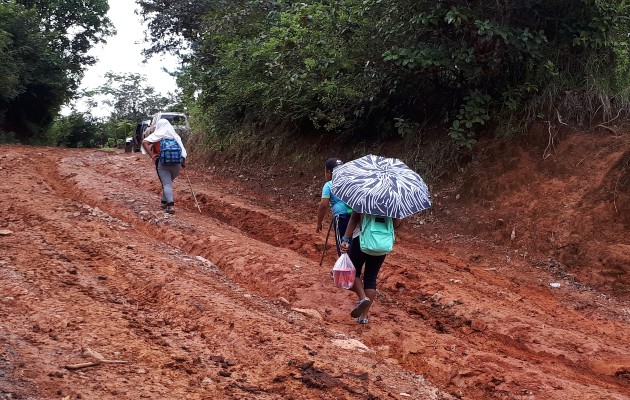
x=372, y=264
x=340, y=223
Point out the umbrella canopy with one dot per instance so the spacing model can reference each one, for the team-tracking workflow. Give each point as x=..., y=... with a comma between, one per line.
x=380, y=186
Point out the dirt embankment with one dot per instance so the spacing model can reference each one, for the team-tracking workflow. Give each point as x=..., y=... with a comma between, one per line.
x=565, y=200
x=232, y=303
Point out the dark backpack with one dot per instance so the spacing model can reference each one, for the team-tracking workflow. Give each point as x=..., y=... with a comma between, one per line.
x=377, y=235
x=170, y=152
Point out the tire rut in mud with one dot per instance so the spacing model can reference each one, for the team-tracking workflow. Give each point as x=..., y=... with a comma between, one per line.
x=448, y=345
x=95, y=254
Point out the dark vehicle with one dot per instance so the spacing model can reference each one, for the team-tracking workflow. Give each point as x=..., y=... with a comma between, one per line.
x=139, y=134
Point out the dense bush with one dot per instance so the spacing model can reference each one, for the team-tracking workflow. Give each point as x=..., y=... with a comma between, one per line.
x=76, y=130
x=43, y=52
x=371, y=67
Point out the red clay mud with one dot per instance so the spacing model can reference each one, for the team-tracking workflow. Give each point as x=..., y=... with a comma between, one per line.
x=232, y=303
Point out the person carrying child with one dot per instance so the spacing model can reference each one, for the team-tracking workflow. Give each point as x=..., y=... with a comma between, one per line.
x=168, y=153
x=340, y=210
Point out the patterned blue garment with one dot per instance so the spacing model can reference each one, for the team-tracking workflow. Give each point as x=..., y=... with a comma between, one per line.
x=380, y=186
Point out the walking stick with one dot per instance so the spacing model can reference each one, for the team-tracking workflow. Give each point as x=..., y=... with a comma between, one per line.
x=326, y=243
x=193, y=192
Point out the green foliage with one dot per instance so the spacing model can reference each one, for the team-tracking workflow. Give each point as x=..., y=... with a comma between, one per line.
x=287, y=62
x=129, y=97
x=405, y=127
x=9, y=69
x=472, y=113
x=72, y=28
x=384, y=68
x=174, y=24
x=7, y=137
x=111, y=142
x=83, y=130
x=30, y=73
x=43, y=50
x=75, y=130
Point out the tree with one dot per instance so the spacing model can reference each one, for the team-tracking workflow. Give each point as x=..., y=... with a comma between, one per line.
x=361, y=67
x=34, y=82
x=43, y=49
x=174, y=25
x=73, y=27
x=129, y=96
x=9, y=68
x=76, y=130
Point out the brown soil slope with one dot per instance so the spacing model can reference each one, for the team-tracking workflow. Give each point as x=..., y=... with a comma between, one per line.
x=232, y=303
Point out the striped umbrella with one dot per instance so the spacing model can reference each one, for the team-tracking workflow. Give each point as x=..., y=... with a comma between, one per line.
x=380, y=186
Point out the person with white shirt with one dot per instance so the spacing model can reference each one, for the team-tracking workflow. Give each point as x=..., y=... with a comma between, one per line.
x=166, y=172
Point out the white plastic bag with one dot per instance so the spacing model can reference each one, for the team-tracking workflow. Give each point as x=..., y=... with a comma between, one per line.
x=343, y=272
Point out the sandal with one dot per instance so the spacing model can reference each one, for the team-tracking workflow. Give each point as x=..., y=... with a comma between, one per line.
x=363, y=320
x=170, y=211
x=360, y=307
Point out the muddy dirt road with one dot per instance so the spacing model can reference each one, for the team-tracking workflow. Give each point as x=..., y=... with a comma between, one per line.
x=232, y=303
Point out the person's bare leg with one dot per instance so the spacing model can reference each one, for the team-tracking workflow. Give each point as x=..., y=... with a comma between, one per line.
x=358, y=288
x=371, y=294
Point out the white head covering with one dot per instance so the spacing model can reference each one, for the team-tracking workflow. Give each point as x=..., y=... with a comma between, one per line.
x=164, y=130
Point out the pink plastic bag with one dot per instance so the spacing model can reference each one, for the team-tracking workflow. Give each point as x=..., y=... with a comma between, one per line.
x=343, y=272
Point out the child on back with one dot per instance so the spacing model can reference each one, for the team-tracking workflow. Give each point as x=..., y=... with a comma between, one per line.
x=340, y=210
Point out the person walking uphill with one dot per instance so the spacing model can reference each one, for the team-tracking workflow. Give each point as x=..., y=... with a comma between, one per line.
x=169, y=155
x=340, y=210
x=381, y=191
x=371, y=250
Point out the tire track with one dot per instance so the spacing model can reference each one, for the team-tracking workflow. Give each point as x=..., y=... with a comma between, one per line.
x=492, y=324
